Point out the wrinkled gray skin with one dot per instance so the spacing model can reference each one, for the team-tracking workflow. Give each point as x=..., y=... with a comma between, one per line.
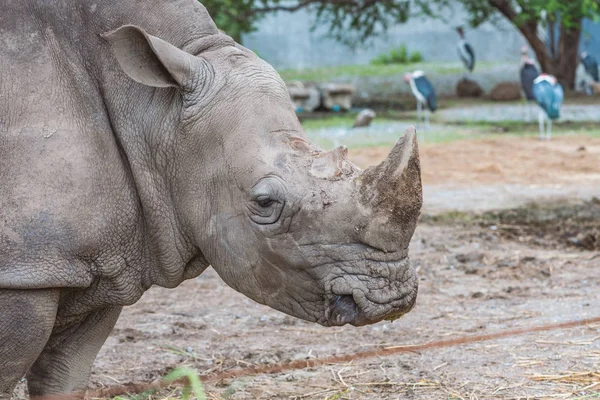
x=137, y=156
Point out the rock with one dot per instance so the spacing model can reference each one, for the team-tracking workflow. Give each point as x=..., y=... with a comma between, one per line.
x=337, y=96
x=595, y=88
x=364, y=118
x=506, y=91
x=305, y=99
x=468, y=88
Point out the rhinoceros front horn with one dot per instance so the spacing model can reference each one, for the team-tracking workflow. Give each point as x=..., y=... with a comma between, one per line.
x=391, y=193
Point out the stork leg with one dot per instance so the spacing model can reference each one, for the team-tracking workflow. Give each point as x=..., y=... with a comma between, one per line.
x=419, y=105
x=527, y=111
x=549, y=133
x=541, y=122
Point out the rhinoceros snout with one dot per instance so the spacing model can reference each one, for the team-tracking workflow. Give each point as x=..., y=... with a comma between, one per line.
x=363, y=300
x=344, y=310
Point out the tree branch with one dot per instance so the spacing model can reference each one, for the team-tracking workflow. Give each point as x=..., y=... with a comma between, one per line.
x=529, y=30
x=305, y=3
x=505, y=8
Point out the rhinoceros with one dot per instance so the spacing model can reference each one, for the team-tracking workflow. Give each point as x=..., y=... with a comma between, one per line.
x=139, y=145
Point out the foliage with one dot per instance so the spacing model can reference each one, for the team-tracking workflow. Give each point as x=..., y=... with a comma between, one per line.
x=366, y=18
x=415, y=57
x=234, y=17
x=354, y=21
x=397, y=56
x=193, y=386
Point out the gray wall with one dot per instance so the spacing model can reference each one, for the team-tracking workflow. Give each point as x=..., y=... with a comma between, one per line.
x=285, y=40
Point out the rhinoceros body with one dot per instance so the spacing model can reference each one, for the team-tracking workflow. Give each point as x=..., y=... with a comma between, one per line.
x=138, y=146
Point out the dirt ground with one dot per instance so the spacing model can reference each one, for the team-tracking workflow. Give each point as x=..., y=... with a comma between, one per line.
x=509, y=160
x=478, y=274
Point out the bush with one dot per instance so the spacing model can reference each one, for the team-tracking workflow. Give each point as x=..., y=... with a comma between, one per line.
x=415, y=57
x=398, y=55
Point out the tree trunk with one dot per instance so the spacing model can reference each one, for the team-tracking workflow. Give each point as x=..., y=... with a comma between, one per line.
x=565, y=65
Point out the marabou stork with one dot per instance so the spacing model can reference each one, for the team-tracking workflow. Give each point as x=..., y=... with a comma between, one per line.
x=528, y=74
x=590, y=64
x=465, y=51
x=423, y=90
x=549, y=95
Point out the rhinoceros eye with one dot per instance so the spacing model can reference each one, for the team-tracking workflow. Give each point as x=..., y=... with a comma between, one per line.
x=267, y=200
x=264, y=201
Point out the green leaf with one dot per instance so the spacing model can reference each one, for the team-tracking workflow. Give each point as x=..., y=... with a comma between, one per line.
x=194, y=384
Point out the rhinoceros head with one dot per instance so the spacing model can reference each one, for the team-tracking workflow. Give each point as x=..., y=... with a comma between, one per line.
x=298, y=229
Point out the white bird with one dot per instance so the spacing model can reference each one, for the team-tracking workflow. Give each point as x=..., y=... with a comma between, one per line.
x=549, y=95
x=424, y=92
x=528, y=74
x=465, y=51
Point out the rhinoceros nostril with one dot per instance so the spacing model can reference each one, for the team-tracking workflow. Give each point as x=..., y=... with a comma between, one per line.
x=343, y=310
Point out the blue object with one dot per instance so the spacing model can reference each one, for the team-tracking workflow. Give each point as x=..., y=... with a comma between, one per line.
x=548, y=94
x=299, y=109
x=591, y=65
x=335, y=108
x=528, y=74
x=425, y=88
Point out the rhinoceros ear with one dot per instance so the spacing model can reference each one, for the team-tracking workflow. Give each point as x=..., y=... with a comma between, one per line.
x=148, y=59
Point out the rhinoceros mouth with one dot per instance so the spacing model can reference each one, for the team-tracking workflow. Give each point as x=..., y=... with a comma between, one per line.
x=354, y=302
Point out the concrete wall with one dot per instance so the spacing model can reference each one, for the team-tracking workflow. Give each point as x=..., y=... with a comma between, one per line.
x=286, y=41
x=590, y=38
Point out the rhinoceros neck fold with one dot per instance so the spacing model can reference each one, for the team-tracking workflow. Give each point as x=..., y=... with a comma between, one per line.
x=146, y=135
x=145, y=122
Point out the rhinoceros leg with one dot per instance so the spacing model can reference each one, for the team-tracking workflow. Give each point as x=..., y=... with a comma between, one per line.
x=26, y=321
x=65, y=363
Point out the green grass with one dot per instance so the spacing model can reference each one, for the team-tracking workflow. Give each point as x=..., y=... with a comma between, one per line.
x=451, y=132
x=324, y=74
x=193, y=385
x=398, y=55
x=521, y=128
x=337, y=120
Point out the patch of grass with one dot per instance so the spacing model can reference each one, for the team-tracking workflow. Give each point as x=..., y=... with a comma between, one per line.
x=415, y=57
x=325, y=74
x=521, y=128
x=333, y=130
x=364, y=139
x=398, y=55
x=335, y=120
x=193, y=385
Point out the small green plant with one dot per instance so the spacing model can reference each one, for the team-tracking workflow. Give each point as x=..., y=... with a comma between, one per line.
x=193, y=385
x=397, y=55
x=415, y=57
